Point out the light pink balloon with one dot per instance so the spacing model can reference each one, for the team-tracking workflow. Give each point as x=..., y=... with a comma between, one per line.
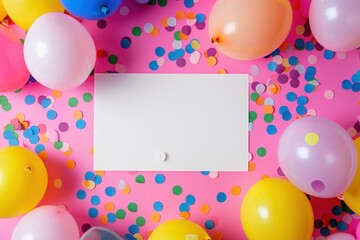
x=336, y=23
x=318, y=156
x=13, y=71
x=59, y=52
x=45, y=223
x=340, y=236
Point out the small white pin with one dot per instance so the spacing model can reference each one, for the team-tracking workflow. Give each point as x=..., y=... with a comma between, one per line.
x=161, y=157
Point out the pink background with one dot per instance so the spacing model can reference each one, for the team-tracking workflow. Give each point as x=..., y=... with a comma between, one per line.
x=343, y=108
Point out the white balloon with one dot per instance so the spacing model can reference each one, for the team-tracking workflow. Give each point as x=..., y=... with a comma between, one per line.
x=59, y=52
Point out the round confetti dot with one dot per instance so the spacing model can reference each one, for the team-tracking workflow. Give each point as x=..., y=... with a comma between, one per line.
x=329, y=54
x=132, y=207
x=110, y=191
x=120, y=214
x=136, y=31
x=102, y=24
x=125, y=42
x=324, y=231
x=98, y=179
x=329, y=94
x=78, y=115
x=159, y=51
x=205, y=208
x=51, y=114
x=93, y=212
x=148, y=27
x=103, y=219
x=111, y=217
x=133, y=229
x=29, y=99
x=252, y=116
x=89, y=176
x=162, y=3
x=291, y=96
x=95, y=200
x=209, y=224
x=271, y=129
x=58, y=145
x=312, y=138
x=190, y=199
x=109, y=206
x=221, y=197
x=235, y=190
x=295, y=83
x=184, y=207
x=140, y=221
x=293, y=60
x=312, y=59
x=153, y=65
x=341, y=226
x=63, y=127
x=268, y=118
x=58, y=183
x=286, y=116
x=177, y=190
x=80, y=124
x=309, y=88
x=158, y=206
x=302, y=100
x=181, y=62
x=124, y=10
x=155, y=217
x=81, y=194
x=261, y=152
x=272, y=66
x=159, y=178
x=112, y=59
x=337, y=211
x=301, y=110
x=87, y=97
x=140, y=179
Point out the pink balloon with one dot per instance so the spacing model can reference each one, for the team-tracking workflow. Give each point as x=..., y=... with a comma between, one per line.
x=336, y=23
x=46, y=222
x=13, y=71
x=340, y=236
x=317, y=156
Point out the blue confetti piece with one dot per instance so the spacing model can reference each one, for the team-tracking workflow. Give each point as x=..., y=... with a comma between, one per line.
x=283, y=109
x=341, y=226
x=159, y=51
x=329, y=54
x=28, y=133
x=189, y=48
x=337, y=211
x=34, y=139
x=111, y=217
x=80, y=124
x=45, y=102
x=133, y=229
x=189, y=3
x=309, y=88
x=299, y=44
x=8, y=135
x=324, y=231
x=159, y=178
x=356, y=87
x=89, y=176
x=291, y=96
x=172, y=56
x=179, y=53
x=184, y=207
x=286, y=116
x=95, y=200
x=125, y=42
x=35, y=129
x=40, y=147
x=158, y=206
x=97, y=179
x=309, y=46
x=81, y=194
x=355, y=78
x=93, y=212
x=272, y=66
x=153, y=65
x=333, y=222
x=205, y=173
x=301, y=110
x=275, y=53
x=129, y=237
x=13, y=142
x=221, y=197
x=346, y=84
x=271, y=129
x=29, y=99
x=293, y=60
x=302, y=100
x=51, y=114
x=200, y=17
x=209, y=224
x=190, y=199
x=110, y=191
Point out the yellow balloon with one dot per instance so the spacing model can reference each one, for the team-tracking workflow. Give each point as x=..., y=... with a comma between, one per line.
x=352, y=194
x=2, y=11
x=274, y=209
x=25, y=12
x=179, y=229
x=23, y=181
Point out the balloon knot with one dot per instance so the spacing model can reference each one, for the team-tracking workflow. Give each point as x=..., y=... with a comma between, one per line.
x=341, y=197
x=105, y=10
x=214, y=40
x=28, y=169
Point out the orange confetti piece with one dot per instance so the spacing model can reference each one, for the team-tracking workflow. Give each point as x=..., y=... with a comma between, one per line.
x=164, y=22
x=126, y=190
x=180, y=15
x=211, y=61
x=190, y=15
x=268, y=109
x=155, y=217
x=43, y=155
x=300, y=30
x=235, y=190
x=44, y=138
x=68, y=153
x=205, y=208
x=56, y=93
x=58, y=183
x=260, y=101
x=216, y=236
x=70, y=164
x=110, y=206
x=103, y=219
x=100, y=173
x=183, y=36
x=154, y=32
x=222, y=71
x=252, y=166
x=185, y=215
x=78, y=114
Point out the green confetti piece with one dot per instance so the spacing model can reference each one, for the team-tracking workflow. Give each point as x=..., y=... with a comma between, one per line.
x=140, y=221
x=268, y=117
x=87, y=97
x=252, y=116
x=9, y=127
x=3, y=100
x=136, y=31
x=261, y=152
x=73, y=102
x=140, y=179
x=162, y=3
x=132, y=207
x=254, y=96
x=7, y=107
x=120, y=214
x=58, y=145
x=177, y=36
x=16, y=135
x=152, y=2
x=177, y=190
x=112, y=59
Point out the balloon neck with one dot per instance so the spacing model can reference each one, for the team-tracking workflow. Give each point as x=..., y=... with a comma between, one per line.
x=28, y=169
x=215, y=40
x=105, y=10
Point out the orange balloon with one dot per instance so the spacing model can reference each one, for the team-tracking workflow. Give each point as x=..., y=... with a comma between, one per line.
x=249, y=29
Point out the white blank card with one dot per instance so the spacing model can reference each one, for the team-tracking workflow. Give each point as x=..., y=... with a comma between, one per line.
x=171, y=122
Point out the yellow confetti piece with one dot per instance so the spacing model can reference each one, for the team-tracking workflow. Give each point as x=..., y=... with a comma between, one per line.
x=58, y=183
x=90, y=185
x=103, y=219
x=56, y=93
x=126, y=190
x=92, y=150
x=110, y=206
x=155, y=217
x=43, y=155
x=185, y=215
x=68, y=153
x=235, y=190
x=100, y=173
x=137, y=236
x=195, y=44
x=205, y=208
x=180, y=15
x=44, y=138
x=78, y=115
x=70, y=164
x=211, y=61
x=252, y=166
x=20, y=117
x=222, y=71
x=311, y=138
